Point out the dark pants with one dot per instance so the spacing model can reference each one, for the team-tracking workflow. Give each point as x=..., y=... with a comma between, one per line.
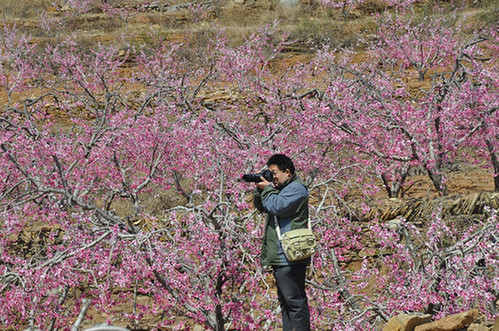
x=290, y=281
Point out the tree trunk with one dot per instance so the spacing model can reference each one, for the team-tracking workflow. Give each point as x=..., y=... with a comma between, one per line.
x=394, y=189
x=437, y=180
x=495, y=164
x=386, y=184
x=220, y=318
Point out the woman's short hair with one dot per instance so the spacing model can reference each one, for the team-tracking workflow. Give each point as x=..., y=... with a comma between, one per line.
x=282, y=162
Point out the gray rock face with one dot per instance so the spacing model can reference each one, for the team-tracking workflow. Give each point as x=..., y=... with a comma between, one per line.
x=289, y=3
x=106, y=328
x=450, y=323
x=406, y=322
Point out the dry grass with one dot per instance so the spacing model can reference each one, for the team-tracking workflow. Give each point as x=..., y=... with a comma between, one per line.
x=23, y=9
x=309, y=24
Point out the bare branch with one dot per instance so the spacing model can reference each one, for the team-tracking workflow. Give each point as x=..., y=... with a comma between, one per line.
x=18, y=166
x=61, y=256
x=81, y=316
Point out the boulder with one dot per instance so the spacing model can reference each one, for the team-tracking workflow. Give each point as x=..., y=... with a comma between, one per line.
x=406, y=322
x=289, y=3
x=451, y=322
x=477, y=327
x=105, y=327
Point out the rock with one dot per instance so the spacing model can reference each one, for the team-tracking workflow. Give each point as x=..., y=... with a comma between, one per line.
x=451, y=322
x=289, y=3
x=406, y=322
x=477, y=327
x=394, y=224
x=198, y=327
x=105, y=327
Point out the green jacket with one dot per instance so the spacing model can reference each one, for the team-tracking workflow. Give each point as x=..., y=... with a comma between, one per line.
x=289, y=204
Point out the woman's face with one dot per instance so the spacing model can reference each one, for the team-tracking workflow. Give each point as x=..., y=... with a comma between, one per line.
x=280, y=177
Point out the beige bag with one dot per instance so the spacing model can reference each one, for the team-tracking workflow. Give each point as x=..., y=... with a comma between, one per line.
x=297, y=244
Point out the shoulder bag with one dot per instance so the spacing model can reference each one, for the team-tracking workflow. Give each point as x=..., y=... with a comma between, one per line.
x=297, y=244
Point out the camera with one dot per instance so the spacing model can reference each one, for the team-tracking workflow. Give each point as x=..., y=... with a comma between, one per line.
x=255, y=178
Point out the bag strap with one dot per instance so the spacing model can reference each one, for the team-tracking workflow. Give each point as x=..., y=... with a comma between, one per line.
x=278, y=229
